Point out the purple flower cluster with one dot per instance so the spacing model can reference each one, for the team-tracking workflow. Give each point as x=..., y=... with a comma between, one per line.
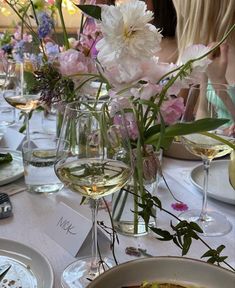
x=45, y=25
x=18, y=51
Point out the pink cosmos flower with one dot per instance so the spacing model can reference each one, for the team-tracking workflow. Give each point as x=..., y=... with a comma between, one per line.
x=172, y=110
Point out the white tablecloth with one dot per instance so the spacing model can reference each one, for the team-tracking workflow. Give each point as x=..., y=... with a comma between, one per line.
x=31, y=212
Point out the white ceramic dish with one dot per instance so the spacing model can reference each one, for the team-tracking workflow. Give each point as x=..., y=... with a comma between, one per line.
x=166, y=269
x=13, y=170
x=30, y=269
x=219, y=187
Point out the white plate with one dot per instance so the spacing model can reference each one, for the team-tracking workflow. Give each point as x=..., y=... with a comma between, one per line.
x=13, y=170
x=179, y=270
x=219, y=187
x=29, y=269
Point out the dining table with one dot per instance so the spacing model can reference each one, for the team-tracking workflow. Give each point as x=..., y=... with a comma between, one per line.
x=32, y=213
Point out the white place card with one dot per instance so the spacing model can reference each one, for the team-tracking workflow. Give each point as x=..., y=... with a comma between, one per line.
x=72, y=231
x=12, y=139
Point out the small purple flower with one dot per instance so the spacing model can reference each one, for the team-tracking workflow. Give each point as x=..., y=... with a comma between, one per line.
x=7, y=48
x=45, y=25
x=36, y=60
x=179, y=206
x=52, y=50
x=18, y=52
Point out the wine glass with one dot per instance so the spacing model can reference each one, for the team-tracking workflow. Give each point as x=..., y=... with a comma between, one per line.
x=93, y=160
x=20, y=93
x=209, y=101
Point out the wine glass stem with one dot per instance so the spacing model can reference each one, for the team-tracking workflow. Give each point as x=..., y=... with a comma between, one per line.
x=21, y=79
x=27, y=126
x=94, y=249
x=206, y=167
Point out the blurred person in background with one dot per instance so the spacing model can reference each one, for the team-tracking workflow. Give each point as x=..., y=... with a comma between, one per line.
x=206, y=22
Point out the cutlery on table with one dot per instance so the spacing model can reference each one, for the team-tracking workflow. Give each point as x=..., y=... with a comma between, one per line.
x=3, y=271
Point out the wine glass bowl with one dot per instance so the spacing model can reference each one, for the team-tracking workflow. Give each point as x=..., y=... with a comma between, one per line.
x=93, y=160
x=209, y=101
x=18, y=92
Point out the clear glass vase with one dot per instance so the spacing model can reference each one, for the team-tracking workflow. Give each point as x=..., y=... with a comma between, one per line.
x=124, y=203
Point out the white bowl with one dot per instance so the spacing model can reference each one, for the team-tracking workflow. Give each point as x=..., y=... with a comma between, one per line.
x=179, y=270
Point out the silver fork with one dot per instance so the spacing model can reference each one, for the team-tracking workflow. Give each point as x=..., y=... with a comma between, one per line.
x=3, y=270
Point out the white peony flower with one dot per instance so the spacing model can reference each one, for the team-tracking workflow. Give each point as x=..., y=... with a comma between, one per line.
x=195, y=51
x=127, y=33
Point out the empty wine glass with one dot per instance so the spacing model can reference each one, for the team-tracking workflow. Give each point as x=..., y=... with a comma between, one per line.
x=209, y=101
x=93, y=160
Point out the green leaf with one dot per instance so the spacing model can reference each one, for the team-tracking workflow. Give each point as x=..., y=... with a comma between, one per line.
x=157, y=201
x=220, y=249
x=152, y=130
x=91, y=10
x=186, y=245
x=195, y=227
x=211, y=260
x=180, y=129
x=201, y=125
x=209, y=253
x=166, y=236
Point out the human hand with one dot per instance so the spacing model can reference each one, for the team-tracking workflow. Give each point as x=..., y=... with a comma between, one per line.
x=230, y=131
x=217, y=68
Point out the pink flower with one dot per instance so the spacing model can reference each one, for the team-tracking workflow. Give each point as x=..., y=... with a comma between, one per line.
x=130, y=125
x=172, y=110
x=146, y=91
x=74, y=62
x=179, y=206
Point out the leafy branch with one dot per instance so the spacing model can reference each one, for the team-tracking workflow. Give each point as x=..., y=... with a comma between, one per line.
x=183, y=232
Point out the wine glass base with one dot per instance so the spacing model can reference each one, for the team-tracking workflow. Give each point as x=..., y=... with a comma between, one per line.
x=79, y=274
x=215, y=223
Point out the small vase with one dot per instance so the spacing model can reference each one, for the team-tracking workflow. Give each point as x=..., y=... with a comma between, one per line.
x=124, y=206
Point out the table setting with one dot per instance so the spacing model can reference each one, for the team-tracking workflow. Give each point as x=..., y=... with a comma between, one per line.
x=92, y=181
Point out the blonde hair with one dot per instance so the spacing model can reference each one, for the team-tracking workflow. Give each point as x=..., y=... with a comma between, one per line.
x=202, y=21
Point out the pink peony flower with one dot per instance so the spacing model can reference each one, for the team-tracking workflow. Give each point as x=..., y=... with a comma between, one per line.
x=172, y=110
x=74, y=62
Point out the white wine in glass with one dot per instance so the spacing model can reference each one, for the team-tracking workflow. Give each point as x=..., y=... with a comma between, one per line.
x=207, y=102
x=18, y=96
x=93, y=164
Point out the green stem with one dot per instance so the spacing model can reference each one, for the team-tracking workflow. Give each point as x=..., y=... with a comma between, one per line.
x=65, y=34
x=113, y=234
x=23, y=21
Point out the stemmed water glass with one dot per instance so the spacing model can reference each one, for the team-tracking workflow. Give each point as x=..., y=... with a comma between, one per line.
x=209, y=101
x=18, y=92
x=93, y=160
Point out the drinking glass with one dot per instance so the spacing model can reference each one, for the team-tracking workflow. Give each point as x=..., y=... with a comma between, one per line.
x=209, y=101
x=39, y=156
x=93, y=160
x=7, y=112
x=19, y=93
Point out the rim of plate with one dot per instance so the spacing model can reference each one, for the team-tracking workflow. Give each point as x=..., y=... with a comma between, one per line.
x=160, y=258
x=50, y=269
